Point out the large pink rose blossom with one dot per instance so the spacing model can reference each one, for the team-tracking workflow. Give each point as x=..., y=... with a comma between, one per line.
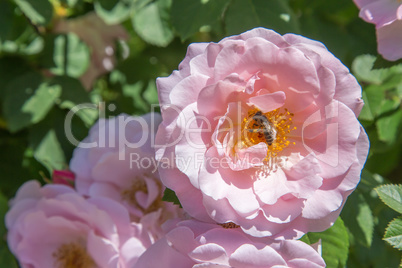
x=261, y=130
x=54, y=227
x=121, y=165
x=197, y=244
x=387, y=17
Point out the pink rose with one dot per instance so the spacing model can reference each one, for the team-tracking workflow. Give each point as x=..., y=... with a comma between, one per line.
x=53, y=226
x=120, y=164
x=261, y=130
x=387, y=17
x=197, y=244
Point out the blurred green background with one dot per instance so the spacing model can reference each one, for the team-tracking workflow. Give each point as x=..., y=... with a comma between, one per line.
x=57, y=54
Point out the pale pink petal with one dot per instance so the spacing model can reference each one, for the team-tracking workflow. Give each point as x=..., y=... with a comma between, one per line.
x=249, y=255
x=380, y=13
x=268, y=102
x=316, y=209
x=389, y=40
x=162, y=255
x=210, y=253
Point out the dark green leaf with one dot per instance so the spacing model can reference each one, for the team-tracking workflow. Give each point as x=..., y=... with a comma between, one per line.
x=359, y=219
x=6, y=258
x=38, y=11
x=170, y=196
x=151, y=22
x=74, y=97
x=391, y=195
x=393, y=234
x=10, y=69
x=54, y=139
x=335, y=244
x=6, y=19
x=243, y=15
x=27, y=101
x=189, y=16
x=381, y=63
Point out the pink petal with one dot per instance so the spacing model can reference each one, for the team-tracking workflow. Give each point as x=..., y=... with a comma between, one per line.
x=249, y=256
x=314, y=207
x=389, y=40
x=268, y=102
x=380, y=13
x=210, y=253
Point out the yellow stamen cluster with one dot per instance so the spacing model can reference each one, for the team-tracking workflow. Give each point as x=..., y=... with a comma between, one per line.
x=72, y=255
x=254, y=133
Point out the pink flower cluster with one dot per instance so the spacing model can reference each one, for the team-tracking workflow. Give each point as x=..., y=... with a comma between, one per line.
x=259, y=140
x=111, y=217
x=387, y=17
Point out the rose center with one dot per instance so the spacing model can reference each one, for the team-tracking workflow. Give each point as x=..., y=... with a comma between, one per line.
x=140, y=185
x=229, y=225
x=72, y=255
x=271, y=128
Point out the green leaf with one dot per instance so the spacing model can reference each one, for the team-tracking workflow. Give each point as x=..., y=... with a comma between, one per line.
x=373, y=98
x=27, y=101
x=10, y=69
x=391, y=195
x=362, y=69
x=388, y=127
x=381, y=63
x=243, y=15
x=6, y=19
x=151, y=22
x=71, y=3
x=6, y=258
x=75, y=97
x=113, y=11
x=366, y=113
x=49, y=152
x=359, y=219
x=170, y=196
x=189, y=16
x=335, y=244
x=393, y=234
x=51, y=139
x=38, y=11
x=65, y=54
x=151, y=94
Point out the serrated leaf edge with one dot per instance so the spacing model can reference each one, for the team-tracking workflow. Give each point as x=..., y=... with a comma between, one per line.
x=386, y=230
x=386, y=185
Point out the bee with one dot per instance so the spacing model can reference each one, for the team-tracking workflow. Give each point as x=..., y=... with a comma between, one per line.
x=264, y=127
